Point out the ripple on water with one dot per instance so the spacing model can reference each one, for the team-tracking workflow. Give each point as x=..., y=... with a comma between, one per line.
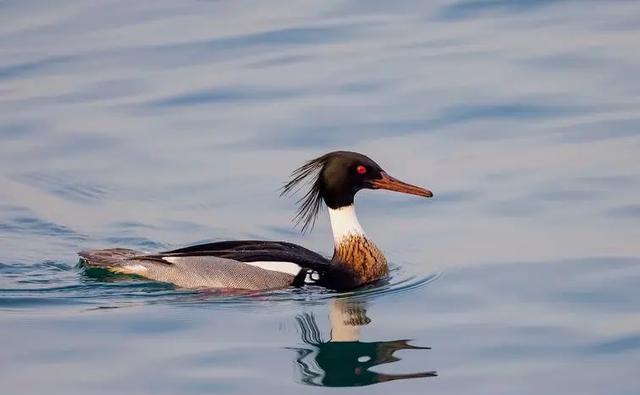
x=51, y=283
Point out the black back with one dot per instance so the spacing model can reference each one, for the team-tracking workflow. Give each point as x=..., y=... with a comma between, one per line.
x=252, y=251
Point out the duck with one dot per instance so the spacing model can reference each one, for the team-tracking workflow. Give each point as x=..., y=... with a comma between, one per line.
x=332, y=179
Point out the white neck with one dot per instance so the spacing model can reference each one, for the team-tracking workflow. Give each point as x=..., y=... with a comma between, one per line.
x=344, y=223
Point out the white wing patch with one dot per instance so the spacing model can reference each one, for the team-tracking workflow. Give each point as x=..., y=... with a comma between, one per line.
x=283, y=267
x=276, y=266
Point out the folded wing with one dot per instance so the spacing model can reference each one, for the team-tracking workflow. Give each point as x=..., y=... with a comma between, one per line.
x=248, y=264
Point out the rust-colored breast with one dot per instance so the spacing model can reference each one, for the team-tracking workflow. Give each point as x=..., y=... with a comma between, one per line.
x=363, y=257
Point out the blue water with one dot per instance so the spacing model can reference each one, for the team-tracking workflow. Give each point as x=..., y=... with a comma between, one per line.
x=154, y=125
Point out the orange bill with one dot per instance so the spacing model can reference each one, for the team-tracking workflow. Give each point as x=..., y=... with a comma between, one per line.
x=393, y=184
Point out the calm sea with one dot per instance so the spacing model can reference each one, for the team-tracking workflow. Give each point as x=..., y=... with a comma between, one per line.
x=157, y=124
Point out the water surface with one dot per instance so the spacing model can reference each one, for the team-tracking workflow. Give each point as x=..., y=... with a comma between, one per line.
x=153, y=125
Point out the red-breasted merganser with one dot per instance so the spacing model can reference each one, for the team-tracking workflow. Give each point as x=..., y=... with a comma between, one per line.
x=259, y=265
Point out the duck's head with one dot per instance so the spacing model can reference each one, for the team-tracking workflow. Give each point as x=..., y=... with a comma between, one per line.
x=336, y=177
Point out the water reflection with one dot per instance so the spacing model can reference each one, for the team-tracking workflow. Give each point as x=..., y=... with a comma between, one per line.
x=344, y=360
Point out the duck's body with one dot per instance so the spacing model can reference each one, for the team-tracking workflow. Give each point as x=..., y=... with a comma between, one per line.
x=260, y=265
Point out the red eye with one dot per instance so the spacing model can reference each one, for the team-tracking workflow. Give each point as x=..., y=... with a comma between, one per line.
x=361, y=169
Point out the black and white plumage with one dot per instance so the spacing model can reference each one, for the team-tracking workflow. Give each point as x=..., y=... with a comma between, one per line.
x=259, y=265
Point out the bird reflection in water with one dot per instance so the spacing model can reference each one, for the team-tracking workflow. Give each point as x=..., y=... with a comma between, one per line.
x=344, y=360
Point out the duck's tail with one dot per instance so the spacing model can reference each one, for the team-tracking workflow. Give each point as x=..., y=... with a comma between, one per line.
x=108, y=259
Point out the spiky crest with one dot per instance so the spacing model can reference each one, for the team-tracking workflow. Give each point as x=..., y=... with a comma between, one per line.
x=310, y=203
